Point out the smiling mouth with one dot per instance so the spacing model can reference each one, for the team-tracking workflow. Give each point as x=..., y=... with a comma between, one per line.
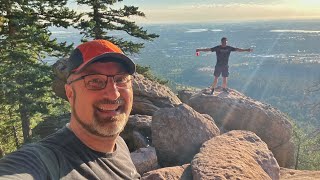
x=107, y=109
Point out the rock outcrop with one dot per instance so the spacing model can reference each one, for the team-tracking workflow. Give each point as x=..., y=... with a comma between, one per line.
x=177, y=134
x=170, y=173
x=61, y=75
x=150, y=96
x=137, y=132
x=50, y=125
x=145, y=159
x=291, y=174
x=235, y=111
x=235, y=155
x=163, y=132
x=285, y=154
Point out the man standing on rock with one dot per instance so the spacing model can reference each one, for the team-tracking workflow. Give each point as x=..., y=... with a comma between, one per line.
x=222, y=52
x=99, y=90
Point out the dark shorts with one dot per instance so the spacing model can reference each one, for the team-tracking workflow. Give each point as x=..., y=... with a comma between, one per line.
x=224, y=70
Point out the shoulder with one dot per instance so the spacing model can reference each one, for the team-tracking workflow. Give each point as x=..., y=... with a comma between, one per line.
x=121, y=144
x=215, y=48
x=60, y=138
x=122, y=149
x=232, y=48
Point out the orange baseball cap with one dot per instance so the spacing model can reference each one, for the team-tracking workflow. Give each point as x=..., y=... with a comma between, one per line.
x=97, y=50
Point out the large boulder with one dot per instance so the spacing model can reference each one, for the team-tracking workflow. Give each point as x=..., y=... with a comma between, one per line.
x=170, y=173
x=185, y=94
x=149, y=96
x=145, y=159
x=291, y=174
x=50, y=125
x=235, y=155
x=285, y=154
x=178, y=133
x=235, y=111
x=61, y=74
x=137, y=132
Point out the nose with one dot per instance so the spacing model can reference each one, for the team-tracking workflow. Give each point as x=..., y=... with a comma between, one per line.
x=111, y=91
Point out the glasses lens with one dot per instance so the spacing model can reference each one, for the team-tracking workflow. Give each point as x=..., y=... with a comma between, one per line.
x=98, y=82
x=122, y=81
x=95, y=82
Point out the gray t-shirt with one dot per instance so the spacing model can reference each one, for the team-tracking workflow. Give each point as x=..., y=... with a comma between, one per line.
x=223, y=54
x=63, y=156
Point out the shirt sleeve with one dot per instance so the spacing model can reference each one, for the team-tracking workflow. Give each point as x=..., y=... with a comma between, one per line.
x=214, y=48
x=23, y=164
x=233, y=48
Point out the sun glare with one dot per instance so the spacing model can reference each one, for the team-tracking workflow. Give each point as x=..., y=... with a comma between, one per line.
x=306, y=3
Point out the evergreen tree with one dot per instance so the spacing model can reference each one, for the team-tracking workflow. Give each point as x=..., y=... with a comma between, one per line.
x=102, y=20
x=307, y=140
x=25, y=79
x=312, y=93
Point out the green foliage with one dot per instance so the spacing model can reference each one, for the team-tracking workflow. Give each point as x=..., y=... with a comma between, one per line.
x=146, y=72
x=307, y=142
x=7, y=129
x=312, y=94
x=25, y=85
x=102, y=20
x=2, y=21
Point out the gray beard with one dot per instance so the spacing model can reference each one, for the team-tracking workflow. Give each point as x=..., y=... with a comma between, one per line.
x=106, y=127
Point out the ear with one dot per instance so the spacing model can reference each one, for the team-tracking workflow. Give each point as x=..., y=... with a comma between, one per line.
x=69, y=92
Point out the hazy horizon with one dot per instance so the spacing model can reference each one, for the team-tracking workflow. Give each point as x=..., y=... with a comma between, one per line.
x=185, y=11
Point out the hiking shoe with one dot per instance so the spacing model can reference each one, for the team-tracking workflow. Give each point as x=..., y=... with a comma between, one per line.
x=225, y=90
x=212, y=91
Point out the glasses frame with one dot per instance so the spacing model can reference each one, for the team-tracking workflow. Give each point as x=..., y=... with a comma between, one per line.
x=106, y=82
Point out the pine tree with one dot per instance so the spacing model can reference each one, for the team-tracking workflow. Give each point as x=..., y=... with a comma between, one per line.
x=307, y=140
x=25, y=80
x=312, y=93
x=102, y=20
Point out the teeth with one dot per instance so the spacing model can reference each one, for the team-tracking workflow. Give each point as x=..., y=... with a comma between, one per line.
x=104, y=108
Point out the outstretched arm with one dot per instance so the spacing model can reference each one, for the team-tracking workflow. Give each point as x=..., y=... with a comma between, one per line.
x=24, y=164
x=244, y=50
x=204, y=49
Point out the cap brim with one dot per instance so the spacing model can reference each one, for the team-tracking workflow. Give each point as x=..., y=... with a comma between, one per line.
x=111, y=57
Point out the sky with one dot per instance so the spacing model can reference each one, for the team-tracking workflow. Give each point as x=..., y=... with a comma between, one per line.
x=182, y=11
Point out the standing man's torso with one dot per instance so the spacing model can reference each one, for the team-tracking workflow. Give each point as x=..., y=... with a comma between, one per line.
x=223, y=54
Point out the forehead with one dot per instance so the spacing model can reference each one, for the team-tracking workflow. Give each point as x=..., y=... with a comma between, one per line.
x=107, y=68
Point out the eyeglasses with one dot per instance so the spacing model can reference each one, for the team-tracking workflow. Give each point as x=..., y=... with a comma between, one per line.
x=99, y=81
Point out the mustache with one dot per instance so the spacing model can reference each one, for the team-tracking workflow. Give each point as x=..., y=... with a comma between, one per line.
x=108, y=101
